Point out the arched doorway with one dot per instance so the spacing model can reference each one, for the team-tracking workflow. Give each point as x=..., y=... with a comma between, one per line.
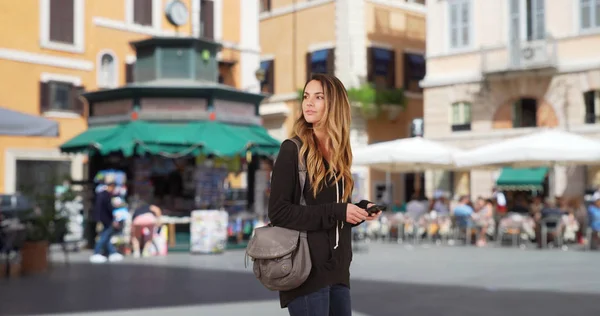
x=525, y=112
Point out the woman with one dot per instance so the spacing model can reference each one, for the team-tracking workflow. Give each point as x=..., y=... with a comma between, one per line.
x=144, y=221
x=323, y=129
x=484, y=219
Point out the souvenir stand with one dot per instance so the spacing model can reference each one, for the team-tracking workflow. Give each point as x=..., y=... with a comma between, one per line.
x=179, y=136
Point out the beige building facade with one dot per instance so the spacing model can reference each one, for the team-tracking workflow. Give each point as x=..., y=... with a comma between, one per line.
x=359, y=41
x=500, y=69
x=52, y=50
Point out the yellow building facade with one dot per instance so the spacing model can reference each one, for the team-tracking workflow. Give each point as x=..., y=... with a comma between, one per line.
x=52, y=50
x=359, y=41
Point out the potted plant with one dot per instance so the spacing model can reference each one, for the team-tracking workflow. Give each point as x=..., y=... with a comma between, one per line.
x=46, y=224
x=371, y=100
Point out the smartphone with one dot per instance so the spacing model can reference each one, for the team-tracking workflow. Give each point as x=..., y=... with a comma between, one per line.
x=375, y=208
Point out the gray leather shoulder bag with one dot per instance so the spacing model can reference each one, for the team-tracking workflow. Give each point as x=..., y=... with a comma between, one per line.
x=281, y=259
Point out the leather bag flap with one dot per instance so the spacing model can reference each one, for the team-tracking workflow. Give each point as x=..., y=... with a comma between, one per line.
x=272, y=242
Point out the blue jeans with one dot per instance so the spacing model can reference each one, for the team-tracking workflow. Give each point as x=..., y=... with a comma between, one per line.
x=104, y=241
x=329, y=301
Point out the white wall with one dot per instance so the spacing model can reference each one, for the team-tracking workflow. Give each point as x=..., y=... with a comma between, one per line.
x=249, y=41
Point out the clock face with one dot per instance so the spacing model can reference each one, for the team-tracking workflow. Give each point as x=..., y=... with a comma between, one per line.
x=177, y=13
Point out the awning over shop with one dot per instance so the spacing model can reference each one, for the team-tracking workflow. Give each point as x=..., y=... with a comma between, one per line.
x=20, y=124
x=522, y=179
x=205, y=137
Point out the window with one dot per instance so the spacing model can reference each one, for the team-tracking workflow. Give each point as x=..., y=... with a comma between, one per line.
x=207, y=19
x=62, y=25
x=107, y=71
x=38, y=177
x=527, y=20
x=461, y=116
x=129, y=72
x=321, y=61
x=381, y=67
x=60, y=96
x=417, y=127
x=414, y=71
x=589, y=14
x=460, y=23
x=142, y=12
x=267, y=85
x=525, y=113
x=592, y=106
x=265, y=6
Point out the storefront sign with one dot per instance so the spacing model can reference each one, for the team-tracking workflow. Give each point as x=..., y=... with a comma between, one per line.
x=115, y=107
x=235, y=108
x=173, y=105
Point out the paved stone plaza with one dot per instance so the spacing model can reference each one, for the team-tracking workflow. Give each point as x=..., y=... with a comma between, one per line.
x=389, y=279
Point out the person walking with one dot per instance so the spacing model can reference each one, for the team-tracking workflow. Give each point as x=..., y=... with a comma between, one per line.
x=103, y=213
x=323, y=129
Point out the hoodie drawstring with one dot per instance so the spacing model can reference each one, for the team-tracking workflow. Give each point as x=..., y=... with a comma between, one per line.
x=337, y=225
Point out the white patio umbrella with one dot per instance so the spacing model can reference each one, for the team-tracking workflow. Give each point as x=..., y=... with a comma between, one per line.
x=546, y=148
x=406, y=155
x=414, y=154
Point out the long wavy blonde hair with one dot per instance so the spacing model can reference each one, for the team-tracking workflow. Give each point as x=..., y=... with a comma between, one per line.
x=336, y=124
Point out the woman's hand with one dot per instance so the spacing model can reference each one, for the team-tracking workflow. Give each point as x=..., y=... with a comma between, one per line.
x=355, y=214
x=373, y=216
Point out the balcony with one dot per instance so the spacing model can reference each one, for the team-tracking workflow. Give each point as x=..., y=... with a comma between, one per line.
x=533, y=57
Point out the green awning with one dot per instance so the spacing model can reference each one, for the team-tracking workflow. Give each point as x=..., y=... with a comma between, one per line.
x=204, y=137
x=522, y=179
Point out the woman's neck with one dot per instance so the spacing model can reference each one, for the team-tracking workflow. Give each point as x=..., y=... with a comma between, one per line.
x=322, y=143
x=321, y=137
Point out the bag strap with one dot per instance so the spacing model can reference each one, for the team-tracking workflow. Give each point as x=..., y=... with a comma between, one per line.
x=301, y=170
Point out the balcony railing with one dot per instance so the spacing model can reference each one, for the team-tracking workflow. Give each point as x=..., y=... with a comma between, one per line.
x=519, y=57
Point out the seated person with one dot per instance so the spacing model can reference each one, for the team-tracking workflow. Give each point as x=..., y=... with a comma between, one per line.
x=463, y=209
x=549, y=210
x=414, y=215
x=484, y=220
x=519, y=218
x=594, y=218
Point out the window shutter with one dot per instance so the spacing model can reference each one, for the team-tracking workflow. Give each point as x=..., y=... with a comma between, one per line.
x=308, y=65
x=44, y=97
x=392, y=71
x=466, y=113
x=62, y=21
x=271, y=77
x=454, y=24
x=129, y=72
x=207, y=19
x=142, y=12
x=539, y=20
x=455, y=113
x=331, y=61
x=465, y=16
x=370, y=61
x=77, y=101
x=517, y=114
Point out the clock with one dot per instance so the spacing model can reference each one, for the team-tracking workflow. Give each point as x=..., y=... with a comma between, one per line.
x=177, y=13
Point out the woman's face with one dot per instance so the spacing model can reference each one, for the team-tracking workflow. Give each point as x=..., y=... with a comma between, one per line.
x=313, y=102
